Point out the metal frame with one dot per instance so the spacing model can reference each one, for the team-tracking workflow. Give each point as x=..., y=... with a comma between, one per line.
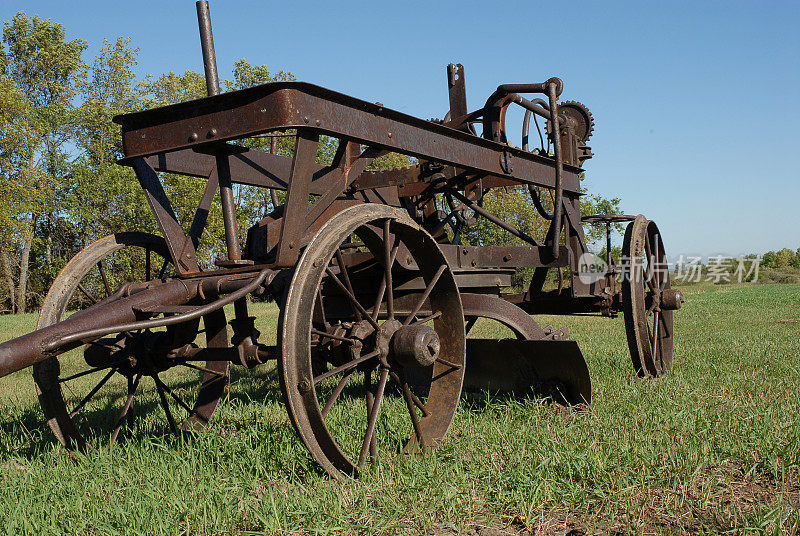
x=198, y=139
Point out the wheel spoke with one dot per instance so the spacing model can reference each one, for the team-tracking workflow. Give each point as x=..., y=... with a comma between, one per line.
x=417, y=402
x=655, y=335
x=132, y=386
x=90, y=371
x=352, y=298
x=147, y=264
x=203, y=369
x=387, y=269
x=373, y=418
x=104, y=277
x=347, y=366
x=369, y=397
x=655, y=262
x=131, y=391
x=165, y=404
x=93, y=392
x=382, y=288
x=448, y=363
x=330, y=336
x=407, y=394
x=649, y=281
x=163, y=269
x=87, y=293
x=648, y=256
x=336, y=392
x=175, y=397
x=346, y=276
x=425, y=295
x=434, y=316
x=319, y=309
x=378, y=299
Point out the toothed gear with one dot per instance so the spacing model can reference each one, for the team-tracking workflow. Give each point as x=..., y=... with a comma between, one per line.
x=580, y=117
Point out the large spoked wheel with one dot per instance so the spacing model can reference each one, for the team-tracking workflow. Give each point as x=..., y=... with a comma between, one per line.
x=372, y=303
x=89, y=400
x=646, y=295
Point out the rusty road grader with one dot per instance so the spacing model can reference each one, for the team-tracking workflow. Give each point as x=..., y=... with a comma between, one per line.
x=375, y=289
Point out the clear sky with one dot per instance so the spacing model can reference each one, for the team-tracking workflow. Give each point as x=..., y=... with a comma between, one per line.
x=697, y=104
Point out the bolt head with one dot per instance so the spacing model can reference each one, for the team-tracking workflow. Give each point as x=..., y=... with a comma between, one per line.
x=304, y=386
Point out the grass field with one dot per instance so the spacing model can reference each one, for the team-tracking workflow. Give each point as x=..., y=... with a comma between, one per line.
x=713, y=447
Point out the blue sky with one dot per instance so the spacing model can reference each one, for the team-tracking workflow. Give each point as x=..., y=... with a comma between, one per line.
x=697, y=104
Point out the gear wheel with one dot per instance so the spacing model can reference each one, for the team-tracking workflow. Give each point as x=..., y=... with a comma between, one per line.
x=580, y=117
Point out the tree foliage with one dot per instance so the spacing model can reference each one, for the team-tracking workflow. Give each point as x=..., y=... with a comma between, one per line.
x=43, y=69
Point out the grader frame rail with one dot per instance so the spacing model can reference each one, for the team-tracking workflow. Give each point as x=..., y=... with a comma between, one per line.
x=376, y=296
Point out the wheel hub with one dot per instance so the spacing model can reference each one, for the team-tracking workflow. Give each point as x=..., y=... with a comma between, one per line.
x=672, y=299
x=416, y=346
x=132, y=354
x=383, y=337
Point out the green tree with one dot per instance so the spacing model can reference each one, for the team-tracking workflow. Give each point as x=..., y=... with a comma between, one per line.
x=106, y=197
x=769, y=259
x=43, y=68
x=783, y=258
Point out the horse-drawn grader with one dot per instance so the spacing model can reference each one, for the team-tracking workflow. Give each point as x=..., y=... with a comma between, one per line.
x=375, y=288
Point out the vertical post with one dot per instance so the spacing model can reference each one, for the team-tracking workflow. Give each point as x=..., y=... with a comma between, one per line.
x=207, y=44
x=557, y=209
x=223, y=167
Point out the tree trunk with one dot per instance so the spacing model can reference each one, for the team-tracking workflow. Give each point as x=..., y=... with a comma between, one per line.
x=49, y=245
x=24, y=262
x=5, y=265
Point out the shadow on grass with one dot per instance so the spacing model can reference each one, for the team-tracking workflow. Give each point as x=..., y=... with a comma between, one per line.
x=24, y=433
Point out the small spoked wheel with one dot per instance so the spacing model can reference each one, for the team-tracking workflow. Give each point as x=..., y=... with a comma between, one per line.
x=648, y=299
x=114, y=385
x=372, y=339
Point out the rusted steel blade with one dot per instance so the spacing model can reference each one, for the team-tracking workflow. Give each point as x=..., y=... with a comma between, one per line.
x=554, y=369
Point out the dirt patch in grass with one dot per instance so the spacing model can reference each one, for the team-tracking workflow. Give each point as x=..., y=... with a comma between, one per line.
x=724, y=498
x=720, y=499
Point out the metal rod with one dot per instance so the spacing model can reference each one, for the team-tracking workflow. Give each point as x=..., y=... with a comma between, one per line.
x=228, y=208
x=387, y=269
x=373, y=418
x=552, y=93
x=223, y=167
x=494, y=219
x=160, y=322
x=425, y=294
x=207, y=44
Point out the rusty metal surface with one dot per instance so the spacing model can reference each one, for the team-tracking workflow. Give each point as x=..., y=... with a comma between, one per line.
x=281, y=105
x=542, y=368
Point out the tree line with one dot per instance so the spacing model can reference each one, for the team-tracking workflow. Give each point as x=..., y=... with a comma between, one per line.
x=61, y=187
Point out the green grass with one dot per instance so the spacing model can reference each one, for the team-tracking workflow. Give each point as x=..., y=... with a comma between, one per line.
x=712, y=447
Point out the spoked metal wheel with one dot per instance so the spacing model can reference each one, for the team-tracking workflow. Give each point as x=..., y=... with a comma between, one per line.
x=98, y=393
x=648, y=299
x=372, y=304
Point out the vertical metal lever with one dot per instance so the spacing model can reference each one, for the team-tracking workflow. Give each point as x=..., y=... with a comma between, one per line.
x=223, y=166
x=207, y=44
